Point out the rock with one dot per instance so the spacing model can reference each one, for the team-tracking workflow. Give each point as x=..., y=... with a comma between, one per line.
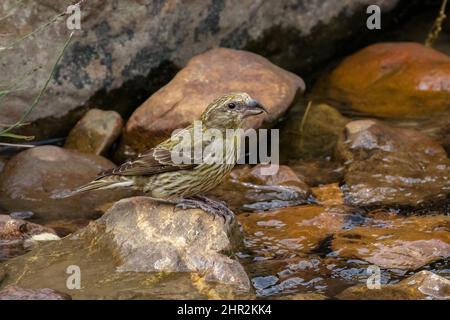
x=248, y=188
x=314, y=133
x=388, y=166
x=33, y=178
x=318, y=171
x=150, y=237
x=290, y=231
x=398, y=80
x=397, y=243
x=328, y=195
x=126, y=51
x=18, y=236
x=18, y=293
x=305, y=296
x=143, y=249
x=95, y=132
x=205, y=78
x=2, y=276
x=422, y=285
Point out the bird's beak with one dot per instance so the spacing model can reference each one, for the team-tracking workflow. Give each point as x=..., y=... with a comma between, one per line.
x=254, y=108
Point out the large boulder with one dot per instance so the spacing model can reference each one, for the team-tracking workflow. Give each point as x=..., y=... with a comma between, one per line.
x=33, y=180
x=206, y=77
x=140, y=249
x=389, y=166
x=127, y=50
x=399, y=80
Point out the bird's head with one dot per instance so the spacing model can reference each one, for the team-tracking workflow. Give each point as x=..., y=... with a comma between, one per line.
x=229, y=110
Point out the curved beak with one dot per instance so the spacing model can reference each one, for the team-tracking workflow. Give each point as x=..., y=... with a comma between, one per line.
x=254, y=108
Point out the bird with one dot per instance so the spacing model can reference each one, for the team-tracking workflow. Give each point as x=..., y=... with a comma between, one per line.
x=184, y=183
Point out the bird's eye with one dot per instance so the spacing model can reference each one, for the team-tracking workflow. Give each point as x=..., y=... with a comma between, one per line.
x=231, y=105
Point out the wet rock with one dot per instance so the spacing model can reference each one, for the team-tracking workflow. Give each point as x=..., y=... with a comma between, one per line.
x=290, y=231
x=312, y=133
x=399, y=80
x=140, y=249
x=95, y=132
x=397, y=243
x=148, y=237
x=391, y=166
x=18, y=236
x=32, y=178
x=422, y=285
x=206, y=77
x=21, y=215
x=253, y=188
x=18, y=293
x=328, y=195
x=127, y=50
x=318, y=171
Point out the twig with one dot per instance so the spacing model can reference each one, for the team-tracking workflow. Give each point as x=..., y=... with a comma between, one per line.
x=437, y=26
x=41, y=92
x=302, y=124
x=16, y=145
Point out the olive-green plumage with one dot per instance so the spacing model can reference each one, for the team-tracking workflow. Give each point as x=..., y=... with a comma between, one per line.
x=157, y=174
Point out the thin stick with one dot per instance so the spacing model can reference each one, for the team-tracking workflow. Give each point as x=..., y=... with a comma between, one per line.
x=41, y=92
x=16, y=145
x=302, y=124
x=437, y=26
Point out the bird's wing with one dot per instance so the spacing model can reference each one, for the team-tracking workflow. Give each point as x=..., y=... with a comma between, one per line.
x=156, y=160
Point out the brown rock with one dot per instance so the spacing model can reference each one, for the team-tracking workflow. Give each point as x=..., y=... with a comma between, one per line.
x=247, y=188
x=290, y=231
x=32, y=180
x=397, y=243
x=129, y=49
x=18, y=293
x=140, y=249
x=95, y=132
x=206, y=77
x=17, y=236
x=391, y=166
x=314, y=133
x=400, y=80
x=328, y=195
x=422, y=285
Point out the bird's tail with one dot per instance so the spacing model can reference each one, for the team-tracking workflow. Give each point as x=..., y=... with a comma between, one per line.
x=99, y=184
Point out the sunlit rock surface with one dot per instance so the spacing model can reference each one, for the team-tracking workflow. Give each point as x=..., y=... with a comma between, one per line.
x=397, y=242
x=422, y=285
x=290, y=231
x=206, y=77
x=391, y=166
x=95, y=132
x=140, y=249
x=399, y=80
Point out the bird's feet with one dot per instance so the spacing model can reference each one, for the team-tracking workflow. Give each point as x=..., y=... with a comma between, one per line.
x=213, y=207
